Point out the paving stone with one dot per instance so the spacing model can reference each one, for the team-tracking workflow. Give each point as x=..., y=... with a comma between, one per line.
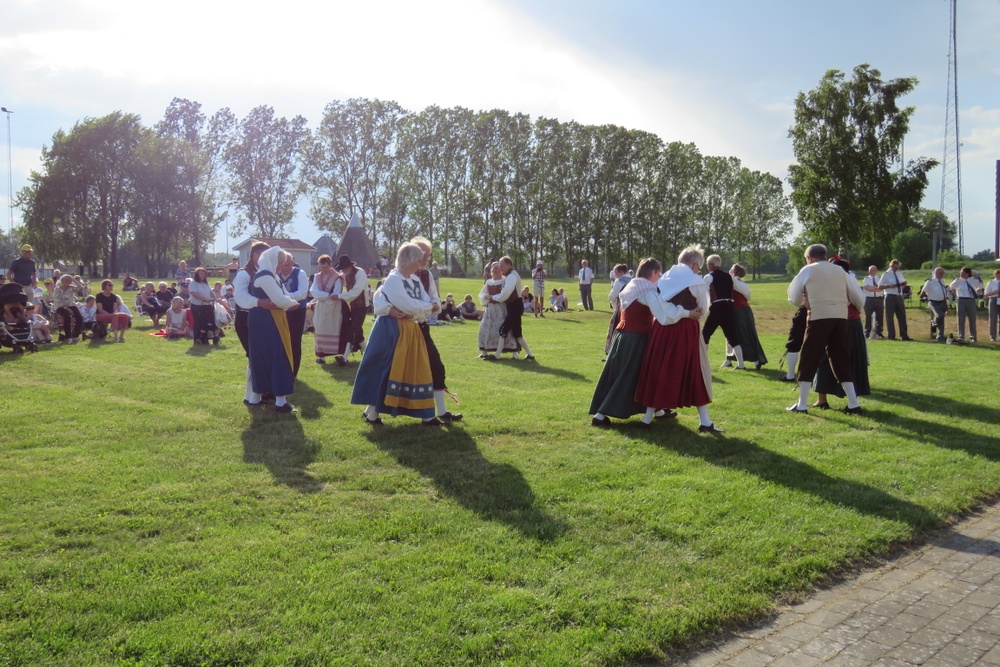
x=977, y=640
x=749, y=658
x=866, y=649
x=958, y=656
x=913, y=653
x=908, y=622
x=888, y=636
x=991, y=657
x=797, y=660
x=930, y=637
x=951, y=623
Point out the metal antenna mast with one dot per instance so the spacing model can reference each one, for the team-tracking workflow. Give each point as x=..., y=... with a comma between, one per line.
x=951, y=164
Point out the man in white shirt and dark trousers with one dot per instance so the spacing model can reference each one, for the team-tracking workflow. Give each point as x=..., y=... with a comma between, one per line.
x=720, y=313
x=874, y=304
x=965, y=287
x=586, y=280
x=892, y=283
x=510, y=296
x=937, y=298
x=829, y=290
x=991, y=293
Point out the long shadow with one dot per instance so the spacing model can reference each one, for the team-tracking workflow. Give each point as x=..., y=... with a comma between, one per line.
x=450, y=459
x=745, y=456
x=345, y=374
x=940, y=435
x=529, y=366
x=278, y=442
x=308, y=400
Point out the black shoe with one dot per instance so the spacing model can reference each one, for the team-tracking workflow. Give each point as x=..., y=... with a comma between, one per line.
x=490, y=357
x=711, y=428
x=785, y=378
x=284, y=409
x=267, y=398
x=905, y=338
x=601, y=423
x=374, y=422
x=433, y=422
x=642, y=424
x=450, y=417
x=249, y=404
x=759, y=365
x=669, y=414
x=529, y=357
x=854, y=411
x=822, y=406
x=340, y=360
x=795, y=408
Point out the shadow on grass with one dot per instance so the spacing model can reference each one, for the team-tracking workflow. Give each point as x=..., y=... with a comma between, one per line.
x=534, y=366
x=278, y=442
x=345, y=374
x=450, y=459
x=940, y=435
x=743, y=455
x=308, y=400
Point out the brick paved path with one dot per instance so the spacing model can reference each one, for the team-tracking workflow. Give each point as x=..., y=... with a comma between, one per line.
x=937, y=606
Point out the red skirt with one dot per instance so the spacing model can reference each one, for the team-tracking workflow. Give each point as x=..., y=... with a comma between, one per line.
x=671, y=372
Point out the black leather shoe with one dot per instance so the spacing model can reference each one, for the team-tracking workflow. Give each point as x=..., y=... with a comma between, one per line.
x=374, y=422
x=711, y=428
x=490, y=357
x=284, y=409
x=600, y=423
x=529, y=357
x=905, y=338
x=795, y=408
x=854, y=411
x=433, y=422
x=785, y=378
x=450, y=417
x=668, y=414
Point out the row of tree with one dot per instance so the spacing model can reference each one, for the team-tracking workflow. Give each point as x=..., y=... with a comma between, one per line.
x=478, y=184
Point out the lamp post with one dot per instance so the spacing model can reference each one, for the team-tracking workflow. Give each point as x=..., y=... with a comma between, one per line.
x=10, y=173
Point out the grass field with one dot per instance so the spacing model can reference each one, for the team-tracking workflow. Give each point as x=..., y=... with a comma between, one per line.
x=148, y=518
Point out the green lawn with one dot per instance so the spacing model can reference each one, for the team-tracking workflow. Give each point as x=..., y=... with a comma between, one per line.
x=148, y=518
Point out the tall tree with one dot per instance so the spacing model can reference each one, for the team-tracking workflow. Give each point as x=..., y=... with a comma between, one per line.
x=263, y=160
x=767, y=217
x=847, y=136
x=77, y=206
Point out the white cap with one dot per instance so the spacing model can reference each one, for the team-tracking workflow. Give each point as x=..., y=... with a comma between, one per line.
x=539, y=262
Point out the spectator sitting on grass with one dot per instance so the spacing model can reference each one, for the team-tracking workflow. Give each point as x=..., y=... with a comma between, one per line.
x=528, y=300
x=177, y=319
x=151, y=304
x=40, y=331
x=164, y=296
x=185, y=293
x=555, y=302
x=468, y=309
x=449, y=309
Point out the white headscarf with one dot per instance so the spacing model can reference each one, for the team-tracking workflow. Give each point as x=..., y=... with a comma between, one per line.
x=677, y=279
x=269, y=259
x=634, y=290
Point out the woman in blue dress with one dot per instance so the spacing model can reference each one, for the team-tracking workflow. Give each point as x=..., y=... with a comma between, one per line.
x=271, y=360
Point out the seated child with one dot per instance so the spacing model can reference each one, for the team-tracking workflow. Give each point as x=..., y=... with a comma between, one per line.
x=555, y=301
x=89, y=312
x=40, y=331
x=177, y=319
x=563, y=301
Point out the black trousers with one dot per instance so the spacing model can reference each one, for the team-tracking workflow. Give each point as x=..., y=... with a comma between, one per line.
x=204, y=322
x=72, y=321
x=296, y=325
x=828, y=336
x=720, y=316
x=242, y=329
x=797, y=332
x=874, y=312
x=512, y=322
x=437, y=366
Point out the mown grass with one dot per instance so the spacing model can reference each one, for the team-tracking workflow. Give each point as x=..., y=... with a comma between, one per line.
x=148, y=518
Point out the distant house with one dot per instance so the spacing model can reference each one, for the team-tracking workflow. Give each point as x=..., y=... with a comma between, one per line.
x=301, y=251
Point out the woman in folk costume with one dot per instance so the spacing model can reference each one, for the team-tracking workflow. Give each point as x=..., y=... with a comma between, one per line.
x=825, y=382
x=270, y=340
x=746, y=325
x=493, y=316
x=640, y=306
x=394, y=375
x=328, y=315
x=675, y=371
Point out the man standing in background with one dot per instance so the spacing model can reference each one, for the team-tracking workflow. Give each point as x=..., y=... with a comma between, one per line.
x=538, y=288
x=874, y=304
x=586, y=280
x=892, y=283
x=22, y=271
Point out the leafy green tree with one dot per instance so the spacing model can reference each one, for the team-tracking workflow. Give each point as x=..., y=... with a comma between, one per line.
x=911, y=247
x=935, y=224
x=263, y=158
x=847, y=138
x=984, y=255
x=76, y=207
x=767, y=216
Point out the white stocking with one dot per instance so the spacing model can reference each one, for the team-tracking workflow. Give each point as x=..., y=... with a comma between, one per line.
x=703, y=415
x=793, y=358
x=852, y=394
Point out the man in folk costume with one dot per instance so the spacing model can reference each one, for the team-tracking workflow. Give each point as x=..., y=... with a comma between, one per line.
x=356, y=297
x=296, y=283
x=245, y=302
x=720, y=315
x=437, y=366
x=675, y=370
x=271, y=357
x=829, y=294
x=510, y=296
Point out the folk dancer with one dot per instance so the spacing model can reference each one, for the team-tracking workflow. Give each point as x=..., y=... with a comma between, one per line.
x=509, y=296
x=720, y=315
x=825, y=383
x=270, y=341
x=746, y=325
x=494, y=313
x=356, y=295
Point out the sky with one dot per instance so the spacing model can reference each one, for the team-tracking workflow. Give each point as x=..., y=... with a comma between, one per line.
x=722, y=74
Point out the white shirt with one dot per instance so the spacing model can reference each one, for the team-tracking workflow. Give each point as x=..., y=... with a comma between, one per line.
x=993, y=288
x=870, y=286
x=965, y=288
x=360, y=288
x=741, y=287
x=889, y=282
x=830, y=289
x=539, y=277
x=201, y=293
x=935, y=290
x=511, y=285
x=303, y=284
x=241, y=287
x=616, y=289
x=274, y=292
x=406, y=294
x=586, y=275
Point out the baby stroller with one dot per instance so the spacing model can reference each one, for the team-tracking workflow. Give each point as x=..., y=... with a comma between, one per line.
x=15, y=327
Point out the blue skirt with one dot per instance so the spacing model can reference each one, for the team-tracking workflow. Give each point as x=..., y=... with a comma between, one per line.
x=270, y=367
x=372, y=381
